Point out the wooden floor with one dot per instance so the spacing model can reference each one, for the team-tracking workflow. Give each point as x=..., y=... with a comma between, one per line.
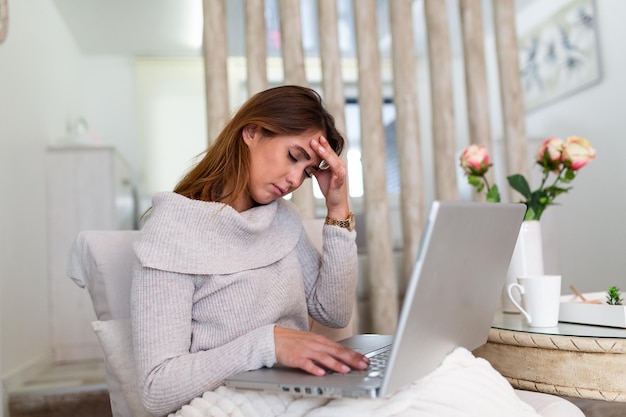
x=79, y=390
x=65, y=390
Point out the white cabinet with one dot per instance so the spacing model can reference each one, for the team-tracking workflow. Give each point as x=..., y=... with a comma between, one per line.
x=88, y=188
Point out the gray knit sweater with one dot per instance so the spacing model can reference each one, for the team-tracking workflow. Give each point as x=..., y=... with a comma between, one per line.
x=211, y=283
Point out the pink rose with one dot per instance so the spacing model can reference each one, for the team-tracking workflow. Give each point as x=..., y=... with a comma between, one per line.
x=475, y=160
x=577, y=153
x=549, y=154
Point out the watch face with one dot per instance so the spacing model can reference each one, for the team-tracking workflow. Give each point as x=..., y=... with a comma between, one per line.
x=4, y=19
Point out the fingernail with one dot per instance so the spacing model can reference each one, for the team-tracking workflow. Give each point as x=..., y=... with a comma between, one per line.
x=362, y=365
x=345, y=368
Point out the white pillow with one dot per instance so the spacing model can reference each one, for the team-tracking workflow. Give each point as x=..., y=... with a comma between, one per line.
x=102, y=262
x=115, y=337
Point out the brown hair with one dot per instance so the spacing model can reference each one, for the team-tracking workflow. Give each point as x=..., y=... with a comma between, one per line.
x=223, y=173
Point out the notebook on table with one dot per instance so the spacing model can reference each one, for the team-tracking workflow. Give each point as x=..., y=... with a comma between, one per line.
x=450, y=301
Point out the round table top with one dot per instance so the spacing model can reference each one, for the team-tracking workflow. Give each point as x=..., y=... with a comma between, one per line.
x=516, y=322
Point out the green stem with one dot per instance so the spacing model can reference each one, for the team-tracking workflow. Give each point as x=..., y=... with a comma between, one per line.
x=558, y=178
x=544, y=179
x=485, y=181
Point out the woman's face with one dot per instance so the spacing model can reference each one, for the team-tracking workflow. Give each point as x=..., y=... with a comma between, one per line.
x=278, y=165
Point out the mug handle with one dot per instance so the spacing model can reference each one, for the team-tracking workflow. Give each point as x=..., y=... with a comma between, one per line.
x=521, y=291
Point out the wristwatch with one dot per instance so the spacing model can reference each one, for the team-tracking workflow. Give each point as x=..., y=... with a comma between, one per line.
x=346, y=223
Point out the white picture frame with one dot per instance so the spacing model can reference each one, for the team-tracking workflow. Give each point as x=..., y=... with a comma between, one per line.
x=560, y=56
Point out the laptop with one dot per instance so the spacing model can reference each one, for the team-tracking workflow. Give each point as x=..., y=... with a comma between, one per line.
x=450, y=301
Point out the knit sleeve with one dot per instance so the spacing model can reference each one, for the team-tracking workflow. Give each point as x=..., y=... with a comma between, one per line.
x=330, y=284
x=169, y=375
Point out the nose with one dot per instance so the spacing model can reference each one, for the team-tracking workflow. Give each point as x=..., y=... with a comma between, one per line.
x=295, y=176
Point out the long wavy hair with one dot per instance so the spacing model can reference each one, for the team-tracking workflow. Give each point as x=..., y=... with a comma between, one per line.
x=223, y=173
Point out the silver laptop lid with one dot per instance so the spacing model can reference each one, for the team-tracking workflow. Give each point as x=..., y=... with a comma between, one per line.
x=455, y=286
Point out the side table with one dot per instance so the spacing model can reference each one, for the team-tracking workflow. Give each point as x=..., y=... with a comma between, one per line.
x=573, y=360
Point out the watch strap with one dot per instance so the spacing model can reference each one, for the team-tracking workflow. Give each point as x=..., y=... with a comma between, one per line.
x=345, y=223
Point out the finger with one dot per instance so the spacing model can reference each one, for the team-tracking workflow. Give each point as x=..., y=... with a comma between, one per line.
x=326, y=152
x=331, y=363
x=351, y=358
x=336, y=172
x=306, y=359
x=341, y=358
x=310, y=367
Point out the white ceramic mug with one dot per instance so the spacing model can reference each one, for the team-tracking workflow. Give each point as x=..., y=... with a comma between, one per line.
x=541, y=299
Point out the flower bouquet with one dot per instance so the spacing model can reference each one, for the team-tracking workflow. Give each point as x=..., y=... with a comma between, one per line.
x=562, y=159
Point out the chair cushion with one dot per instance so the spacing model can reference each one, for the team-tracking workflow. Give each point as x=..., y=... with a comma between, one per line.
x=116, y=340
x=102, y=262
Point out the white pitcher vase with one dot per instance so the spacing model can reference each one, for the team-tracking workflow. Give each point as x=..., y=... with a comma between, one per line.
x=527, y=260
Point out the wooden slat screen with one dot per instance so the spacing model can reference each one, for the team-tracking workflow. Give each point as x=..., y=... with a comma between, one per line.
x=407, y=131
x=510, y=88
x=215, y=47
x=383, y=285
x=440, y=65
x=256, y=52
x=294, y=66
x=381, y=268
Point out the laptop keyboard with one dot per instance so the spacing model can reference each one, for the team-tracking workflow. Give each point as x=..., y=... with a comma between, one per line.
x=378, y=362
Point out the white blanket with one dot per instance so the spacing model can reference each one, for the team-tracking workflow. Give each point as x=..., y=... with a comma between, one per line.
x=463, y=386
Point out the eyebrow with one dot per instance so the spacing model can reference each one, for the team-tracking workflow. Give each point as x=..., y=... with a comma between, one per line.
x=307, y=156
x=303, y=152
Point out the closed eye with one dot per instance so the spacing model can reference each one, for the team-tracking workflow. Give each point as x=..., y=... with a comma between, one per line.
x=307, y=173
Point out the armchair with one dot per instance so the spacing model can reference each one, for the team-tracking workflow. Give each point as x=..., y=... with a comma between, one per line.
x=101, y=262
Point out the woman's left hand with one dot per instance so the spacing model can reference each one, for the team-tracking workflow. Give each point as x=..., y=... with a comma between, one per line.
x=332, y=181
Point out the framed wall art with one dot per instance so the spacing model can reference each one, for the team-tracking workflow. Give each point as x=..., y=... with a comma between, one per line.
x=4, y=19
x=560, y=56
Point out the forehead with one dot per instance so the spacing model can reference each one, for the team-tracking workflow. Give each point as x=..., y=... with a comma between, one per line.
x=302, y=143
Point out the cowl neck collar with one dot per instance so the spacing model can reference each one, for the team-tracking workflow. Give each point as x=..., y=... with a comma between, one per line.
x=199, y=237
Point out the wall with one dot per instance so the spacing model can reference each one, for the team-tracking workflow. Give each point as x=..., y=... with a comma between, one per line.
x=108, y=102
x=172, y=115
x=590, y=220
x=38, y=91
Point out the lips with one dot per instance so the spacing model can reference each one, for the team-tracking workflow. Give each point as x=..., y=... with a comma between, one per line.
x=279, y=191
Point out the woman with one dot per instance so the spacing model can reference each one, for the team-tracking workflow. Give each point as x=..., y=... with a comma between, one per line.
x=226, y=276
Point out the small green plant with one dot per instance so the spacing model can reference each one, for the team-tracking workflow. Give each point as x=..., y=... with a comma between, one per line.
x=613, y=297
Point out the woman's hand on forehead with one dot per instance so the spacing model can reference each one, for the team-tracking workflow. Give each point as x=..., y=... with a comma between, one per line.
x=333, y=179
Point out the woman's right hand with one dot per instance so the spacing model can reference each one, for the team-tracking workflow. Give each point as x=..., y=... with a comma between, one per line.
x=333, y=182
x=314, y=353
